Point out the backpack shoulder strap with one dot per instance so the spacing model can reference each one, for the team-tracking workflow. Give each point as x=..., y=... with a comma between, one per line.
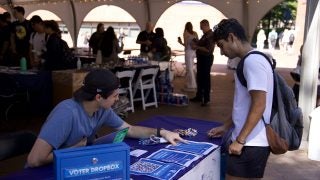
x=46, y=37
x=32, y=35
x=240, y=66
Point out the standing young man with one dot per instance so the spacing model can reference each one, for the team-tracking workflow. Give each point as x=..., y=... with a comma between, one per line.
x=75, y=122
x=20, y=35
x=249, y=149
x=204, y=51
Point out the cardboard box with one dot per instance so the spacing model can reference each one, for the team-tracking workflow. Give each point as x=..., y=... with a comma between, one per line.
x=106, y=161
x=65, y=82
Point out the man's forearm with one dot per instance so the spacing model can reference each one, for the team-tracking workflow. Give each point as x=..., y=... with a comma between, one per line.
x=255, y=113
x=40, y=162
x=203, y=49
x=141, y=132
x=228, y=123
x=142, y=42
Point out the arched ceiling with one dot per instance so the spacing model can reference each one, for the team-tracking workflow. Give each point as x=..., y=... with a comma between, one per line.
x=248, y=12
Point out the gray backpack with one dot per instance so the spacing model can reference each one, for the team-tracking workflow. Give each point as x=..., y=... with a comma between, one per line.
x=286, y=117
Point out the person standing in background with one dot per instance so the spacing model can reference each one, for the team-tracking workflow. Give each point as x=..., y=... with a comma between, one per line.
x=159, y=46
x=54, y=55
x=110, y=47
x=95, y=39
x=261, y=37
x=20, y=36
x=189, y=36
x=38, y=40
x=4, y=41
x=285, y=40
x=292, y=35
x=145, y=39
x=272, y=39
x=7, y=16
x=204, y=51
x=280, y=37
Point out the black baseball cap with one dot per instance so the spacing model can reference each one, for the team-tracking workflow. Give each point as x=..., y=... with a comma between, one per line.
x=100, y=81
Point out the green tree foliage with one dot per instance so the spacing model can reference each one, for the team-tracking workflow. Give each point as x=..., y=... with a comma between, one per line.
x=280, y=17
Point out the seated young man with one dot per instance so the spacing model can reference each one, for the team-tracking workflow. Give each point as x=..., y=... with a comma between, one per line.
x=74, y=122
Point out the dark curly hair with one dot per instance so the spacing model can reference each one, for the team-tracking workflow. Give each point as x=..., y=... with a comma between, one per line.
x=107, y=43
x=227, y=26
x=159, y=32
x=19, y=9
x=52, y=25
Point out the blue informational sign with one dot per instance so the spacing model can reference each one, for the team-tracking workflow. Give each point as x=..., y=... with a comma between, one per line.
x=106, y=161
x=171, y=156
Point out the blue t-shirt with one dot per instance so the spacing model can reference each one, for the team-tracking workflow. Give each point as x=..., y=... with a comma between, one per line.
x=68, y=124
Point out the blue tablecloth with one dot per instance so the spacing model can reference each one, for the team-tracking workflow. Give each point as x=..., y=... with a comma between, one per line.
x=167, y=122
x=171, y=123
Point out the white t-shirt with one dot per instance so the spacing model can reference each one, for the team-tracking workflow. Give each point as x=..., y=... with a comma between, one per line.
x=38, y=41
x=259, y=76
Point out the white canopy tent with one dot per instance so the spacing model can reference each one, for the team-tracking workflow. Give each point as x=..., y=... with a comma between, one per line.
x=73, y=12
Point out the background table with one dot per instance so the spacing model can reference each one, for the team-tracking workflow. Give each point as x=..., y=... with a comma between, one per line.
x=39, y=86
x=196, y=169
x=87, y=59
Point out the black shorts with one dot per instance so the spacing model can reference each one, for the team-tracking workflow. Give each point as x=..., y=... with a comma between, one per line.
x=250, y=164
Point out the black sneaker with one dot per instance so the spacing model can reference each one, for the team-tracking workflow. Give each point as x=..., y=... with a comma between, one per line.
x=195, y=99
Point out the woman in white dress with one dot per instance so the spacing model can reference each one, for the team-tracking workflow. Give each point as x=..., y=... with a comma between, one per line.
x=189, y=36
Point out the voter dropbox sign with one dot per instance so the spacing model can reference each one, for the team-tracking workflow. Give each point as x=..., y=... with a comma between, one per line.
x=105, y=161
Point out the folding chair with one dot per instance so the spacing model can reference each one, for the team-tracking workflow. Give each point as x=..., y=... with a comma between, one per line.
x=126, y=87
x=146, y=81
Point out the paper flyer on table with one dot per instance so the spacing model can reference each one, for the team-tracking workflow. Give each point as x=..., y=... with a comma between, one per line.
x=200, y=148
x=172, y=156
x=155, y=169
